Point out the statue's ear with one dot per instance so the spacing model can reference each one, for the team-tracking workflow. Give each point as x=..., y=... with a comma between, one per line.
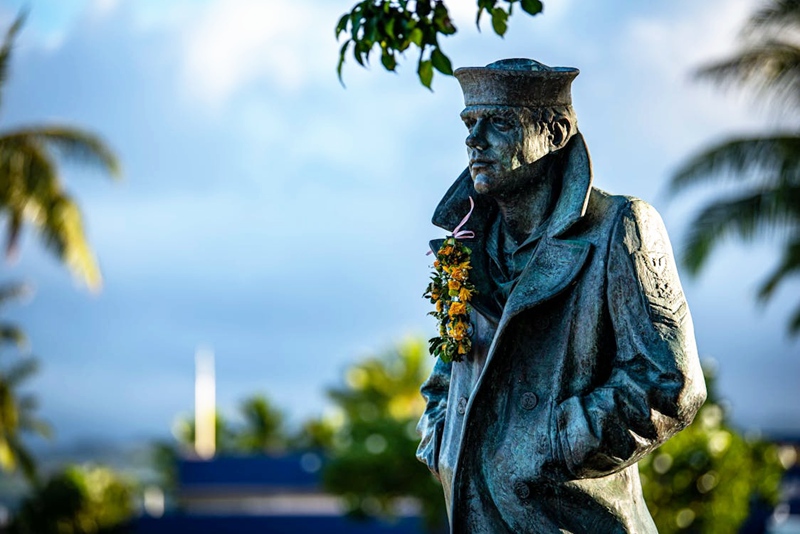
x=560, y=131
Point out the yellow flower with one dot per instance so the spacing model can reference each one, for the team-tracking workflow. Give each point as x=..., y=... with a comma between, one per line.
x=459, y=273
x=453, y=285
x=439, y=305
x=457, y=308
x=464, y=294
x=462, y=348
x=459, y=331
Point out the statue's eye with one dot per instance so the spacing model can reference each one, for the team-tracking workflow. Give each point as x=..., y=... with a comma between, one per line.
x=501, y=123
x=469, y=123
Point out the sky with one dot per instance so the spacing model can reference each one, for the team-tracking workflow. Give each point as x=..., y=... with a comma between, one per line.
x=282, y=219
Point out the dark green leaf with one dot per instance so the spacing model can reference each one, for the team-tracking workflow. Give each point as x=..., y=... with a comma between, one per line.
x=416, y=36
x=423, y=8
x=342, y=52
x=388, y=60
x=425, y=71
x=342, y=26
x=499, y=21
x=358, y=52
x=389, y=28
x=441, y=62
x=532, y=7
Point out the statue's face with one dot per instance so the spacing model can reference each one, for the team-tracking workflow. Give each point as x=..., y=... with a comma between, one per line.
x=501, y=149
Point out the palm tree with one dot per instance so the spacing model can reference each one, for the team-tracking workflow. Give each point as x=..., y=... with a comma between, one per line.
x=30, y=189
x=17, y=410
x=764, y=169
x=263, y=429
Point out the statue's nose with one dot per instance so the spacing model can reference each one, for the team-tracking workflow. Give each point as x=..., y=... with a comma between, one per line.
x=477, y=140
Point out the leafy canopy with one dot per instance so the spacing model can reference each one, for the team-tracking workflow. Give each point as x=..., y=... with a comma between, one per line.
x=762, y=171
x=393, y=26
x=704, y=479
x=17, y=409
x=372, y=459
x=30, y=188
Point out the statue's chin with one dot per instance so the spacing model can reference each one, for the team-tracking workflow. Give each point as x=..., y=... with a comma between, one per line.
x=481, y=183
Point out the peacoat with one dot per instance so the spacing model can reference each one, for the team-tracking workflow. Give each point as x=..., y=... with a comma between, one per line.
x=589, y=366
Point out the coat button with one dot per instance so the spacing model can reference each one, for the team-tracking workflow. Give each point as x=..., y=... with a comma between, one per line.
x=462, y=406
x=528, y=401
x=522, y=490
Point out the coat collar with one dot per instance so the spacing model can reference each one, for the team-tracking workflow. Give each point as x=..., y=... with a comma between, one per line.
x=556, y=262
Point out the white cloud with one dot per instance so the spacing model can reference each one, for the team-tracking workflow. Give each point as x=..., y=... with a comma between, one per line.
x=237, y=42
x=677, y=44
x=663, y=51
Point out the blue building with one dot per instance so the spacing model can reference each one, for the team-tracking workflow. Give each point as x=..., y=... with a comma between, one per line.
x=264, y=494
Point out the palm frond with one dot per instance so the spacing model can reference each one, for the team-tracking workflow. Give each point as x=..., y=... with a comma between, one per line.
x=794, y=322
x=28, y=183
x=24, y=458
x=8, y=45
x=742, y=217
x=13, y=291
x=35, y=426
x=771, y=69
x=34, y=192
x=790, y=263
x=63, y=233
x=777, y=15
x=12, y=334
x=70, y=143
x=771, y=160
x=20, y=371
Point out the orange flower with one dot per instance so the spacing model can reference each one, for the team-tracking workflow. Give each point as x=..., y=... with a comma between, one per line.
x=464, y=294
x=457, y=308
x=453, y=285
x=439, y=305
x=459, y=330
x=446, y=250
x=462, y=348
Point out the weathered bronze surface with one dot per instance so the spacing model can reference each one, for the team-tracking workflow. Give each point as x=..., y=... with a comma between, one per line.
x=584, y=358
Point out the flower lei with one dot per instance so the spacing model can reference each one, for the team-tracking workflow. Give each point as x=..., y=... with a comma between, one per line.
x=450, y=292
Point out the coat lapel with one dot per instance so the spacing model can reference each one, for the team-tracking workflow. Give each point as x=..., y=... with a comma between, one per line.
x=554, y=265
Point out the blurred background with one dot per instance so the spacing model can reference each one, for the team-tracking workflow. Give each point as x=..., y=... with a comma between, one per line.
x=273, y=218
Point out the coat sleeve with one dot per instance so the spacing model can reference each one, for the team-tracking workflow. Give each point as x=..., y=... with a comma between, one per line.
x=431, y=424
x=655, y=384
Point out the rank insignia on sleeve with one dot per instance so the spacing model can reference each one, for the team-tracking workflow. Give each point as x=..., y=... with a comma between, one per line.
x=660, y=285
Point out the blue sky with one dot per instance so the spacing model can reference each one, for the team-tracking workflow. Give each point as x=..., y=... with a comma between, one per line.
x=282, y=219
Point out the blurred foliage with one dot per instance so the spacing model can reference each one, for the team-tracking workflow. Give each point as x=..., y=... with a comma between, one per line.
x=315, y=434
x=264, y=428
x=30, y=188
x=17, y=410
x=164, y=461
x=703, y=479
x=372, y=460
x=224, y=438
x=764, y=168
x=78, y=500
x=393, y=26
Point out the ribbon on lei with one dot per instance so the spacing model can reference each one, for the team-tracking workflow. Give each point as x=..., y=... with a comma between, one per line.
x=458, y=233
